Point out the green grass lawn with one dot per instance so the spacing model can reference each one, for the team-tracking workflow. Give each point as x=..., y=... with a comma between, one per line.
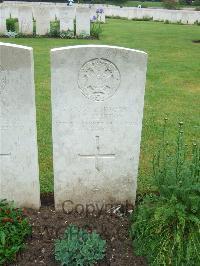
x=172, y=89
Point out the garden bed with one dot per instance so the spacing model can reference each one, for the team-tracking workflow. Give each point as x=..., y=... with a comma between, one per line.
x=48, y=225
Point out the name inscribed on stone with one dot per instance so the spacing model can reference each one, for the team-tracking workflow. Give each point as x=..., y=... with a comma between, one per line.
x=98, y=79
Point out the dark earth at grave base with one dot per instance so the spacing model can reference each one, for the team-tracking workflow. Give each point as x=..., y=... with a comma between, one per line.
x=48, y=225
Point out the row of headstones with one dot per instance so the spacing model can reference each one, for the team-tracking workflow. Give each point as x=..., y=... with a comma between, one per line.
x=156, y=14
x=44, y=14
x=174, y=16
x=97, y=108
x=183, y=16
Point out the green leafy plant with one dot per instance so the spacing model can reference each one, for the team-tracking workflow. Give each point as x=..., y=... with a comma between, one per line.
x=79, y=247
x=14, y=228
x=96, y=27
x=54, y=29
x=34, y=27
x=196, y=3
x=11, y=24
x=69, y=34
x=166, y=225
x=83, y=35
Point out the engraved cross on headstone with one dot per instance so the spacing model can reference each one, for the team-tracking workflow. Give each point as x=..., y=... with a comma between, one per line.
x=98, y=155
x=5, y=154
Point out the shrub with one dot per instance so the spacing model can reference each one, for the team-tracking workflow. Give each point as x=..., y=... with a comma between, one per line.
x=196, y=3
x=34, y=27
x=170, y=4
x=78, y=247
x=185, y=2
x=96, y=29
x=14, y=228
x=11, y=24
x=166, y=226
x=54, y=29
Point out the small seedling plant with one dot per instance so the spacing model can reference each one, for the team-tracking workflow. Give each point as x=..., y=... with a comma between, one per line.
x=166, y=225
x=79, y=247
x=14, y=228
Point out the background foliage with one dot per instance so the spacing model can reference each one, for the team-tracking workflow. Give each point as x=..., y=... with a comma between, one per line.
x=166, y=226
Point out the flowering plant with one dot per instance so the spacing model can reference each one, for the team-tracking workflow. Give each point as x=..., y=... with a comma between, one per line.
x=100, y=10
x=96, y=29
x=14, y=228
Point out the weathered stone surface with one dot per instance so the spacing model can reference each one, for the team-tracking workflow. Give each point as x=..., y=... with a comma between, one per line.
x=19, y=174
x=82, y=21
x=66, y=16
x=14, y=12
x=2, y=20
x=52, y=12
x=42, y=17
x=25, y=20
x=97, y=105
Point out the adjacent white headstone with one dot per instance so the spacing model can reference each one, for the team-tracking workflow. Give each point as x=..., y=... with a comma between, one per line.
x=42, y=17
x=19, y=174
x=6, y=10
x=97, y=105
x=82, y=21
x=2, y=20
x=25, y=20
x=66, y=16
x=14, y=12
x=52, y=12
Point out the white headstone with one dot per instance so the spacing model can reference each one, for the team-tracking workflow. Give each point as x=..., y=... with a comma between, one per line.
x=97, y=105
x=14, y=12
x=66, y=16
x=7, y=12
x=42, y=17
x=25, y=20
x=19, y=173
x=82, y=21
x=52, y=13
x=2, y=20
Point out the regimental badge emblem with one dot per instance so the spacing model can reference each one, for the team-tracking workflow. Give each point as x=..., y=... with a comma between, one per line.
x=99, y=79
